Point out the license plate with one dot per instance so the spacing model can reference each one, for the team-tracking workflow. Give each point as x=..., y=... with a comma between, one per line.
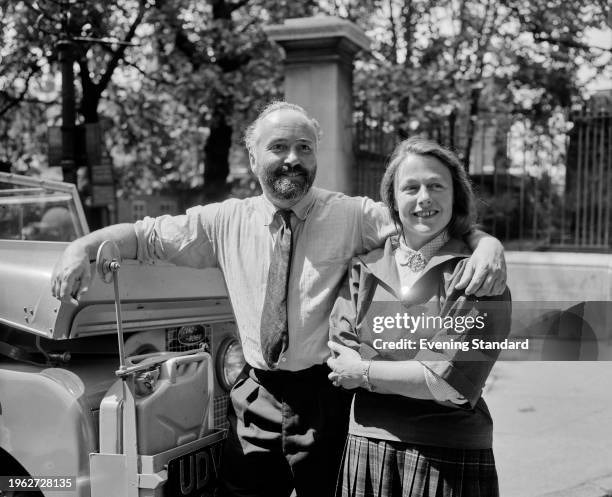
x=194, y=474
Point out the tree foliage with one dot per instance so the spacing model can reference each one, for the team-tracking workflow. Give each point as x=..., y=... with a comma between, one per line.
x=163, y=76
x=174, y=82
x=442, y=64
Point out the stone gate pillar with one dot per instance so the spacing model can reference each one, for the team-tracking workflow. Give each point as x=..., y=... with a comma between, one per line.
x=319, y=54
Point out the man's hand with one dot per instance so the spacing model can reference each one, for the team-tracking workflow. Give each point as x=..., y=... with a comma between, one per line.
x=485, y=271
x=346, y=366
x=71, y=275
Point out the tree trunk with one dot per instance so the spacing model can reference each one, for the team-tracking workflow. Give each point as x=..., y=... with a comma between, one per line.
x=219, y=142
x=474, y=99
x=407, y=15
x=69, y=163
x=89, y=106
x=216, y=152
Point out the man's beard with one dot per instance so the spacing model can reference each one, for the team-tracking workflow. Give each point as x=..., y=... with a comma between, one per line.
x=289, y=188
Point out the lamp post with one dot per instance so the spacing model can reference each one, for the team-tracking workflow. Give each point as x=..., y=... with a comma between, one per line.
x=66, y=58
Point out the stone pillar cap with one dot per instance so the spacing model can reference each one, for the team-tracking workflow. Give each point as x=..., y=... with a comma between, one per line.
x=305, y=28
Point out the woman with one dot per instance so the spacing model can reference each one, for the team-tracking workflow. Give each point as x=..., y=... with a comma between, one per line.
x=404, y=338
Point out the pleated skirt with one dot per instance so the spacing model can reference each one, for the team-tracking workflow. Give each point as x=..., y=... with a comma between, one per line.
x=381, y=468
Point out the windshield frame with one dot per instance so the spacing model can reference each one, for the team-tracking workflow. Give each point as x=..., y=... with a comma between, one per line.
x=62, y=191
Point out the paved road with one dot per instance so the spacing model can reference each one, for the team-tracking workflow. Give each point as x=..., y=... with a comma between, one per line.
x=552, y=428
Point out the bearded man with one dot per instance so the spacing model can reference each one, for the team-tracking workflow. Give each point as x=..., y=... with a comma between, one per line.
x=284, y=255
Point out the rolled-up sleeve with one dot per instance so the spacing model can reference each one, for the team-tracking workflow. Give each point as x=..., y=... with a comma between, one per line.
x=185, y=240
x=343, y=318
x=376, y=224
x=466, y=369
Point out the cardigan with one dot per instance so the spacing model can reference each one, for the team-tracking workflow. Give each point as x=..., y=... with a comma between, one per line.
x=371, y=317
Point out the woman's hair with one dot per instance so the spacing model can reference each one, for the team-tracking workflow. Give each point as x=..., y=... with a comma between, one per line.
x=464, y=205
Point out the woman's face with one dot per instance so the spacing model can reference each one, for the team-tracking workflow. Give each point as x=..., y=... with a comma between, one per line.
x=424, y=198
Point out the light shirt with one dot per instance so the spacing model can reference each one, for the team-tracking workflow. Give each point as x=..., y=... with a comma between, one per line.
x=238, y=236
x=410, y=265
x=407, y=260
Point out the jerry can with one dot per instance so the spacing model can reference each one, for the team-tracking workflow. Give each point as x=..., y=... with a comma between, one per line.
x=172, y=399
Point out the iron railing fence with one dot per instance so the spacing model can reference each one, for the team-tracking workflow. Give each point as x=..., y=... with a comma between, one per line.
x=374, y=139
x=541, y=184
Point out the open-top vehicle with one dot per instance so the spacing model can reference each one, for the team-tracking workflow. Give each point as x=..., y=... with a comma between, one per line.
x=81, y=415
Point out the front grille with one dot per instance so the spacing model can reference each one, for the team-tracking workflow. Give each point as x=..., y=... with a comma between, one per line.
x=222, y=399
x=220, y=411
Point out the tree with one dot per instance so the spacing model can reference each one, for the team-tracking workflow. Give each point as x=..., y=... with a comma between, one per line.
x=98, y=34
x=92, y=35
x=174, y=82
x=436, y=61
x=196, y=73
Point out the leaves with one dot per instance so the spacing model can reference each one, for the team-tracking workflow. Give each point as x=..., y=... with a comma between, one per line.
x=468, y=58
x=434, y=65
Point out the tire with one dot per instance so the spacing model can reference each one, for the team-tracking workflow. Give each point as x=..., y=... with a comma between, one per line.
x=11, y=467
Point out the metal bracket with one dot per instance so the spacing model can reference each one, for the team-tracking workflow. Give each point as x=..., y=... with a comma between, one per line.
x=108, y=262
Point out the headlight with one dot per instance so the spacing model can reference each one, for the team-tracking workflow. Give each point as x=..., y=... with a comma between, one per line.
x=230, y=362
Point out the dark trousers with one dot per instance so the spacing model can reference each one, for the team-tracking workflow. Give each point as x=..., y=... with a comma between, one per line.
x=287, y=431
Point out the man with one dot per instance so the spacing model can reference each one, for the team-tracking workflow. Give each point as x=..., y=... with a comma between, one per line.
x=284, y=255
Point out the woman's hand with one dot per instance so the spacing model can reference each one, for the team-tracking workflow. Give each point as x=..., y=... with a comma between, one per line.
x=346, y=365
x=388, y=377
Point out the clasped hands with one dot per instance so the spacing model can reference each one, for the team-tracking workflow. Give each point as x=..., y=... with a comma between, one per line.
x=346, y=367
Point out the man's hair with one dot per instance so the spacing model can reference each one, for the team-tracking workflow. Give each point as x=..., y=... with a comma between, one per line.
x=464, y=202
x=251, y=133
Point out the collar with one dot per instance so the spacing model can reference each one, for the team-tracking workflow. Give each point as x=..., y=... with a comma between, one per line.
x=304, y=206
x=301, y=209
x=381, y=262
x=404, y=254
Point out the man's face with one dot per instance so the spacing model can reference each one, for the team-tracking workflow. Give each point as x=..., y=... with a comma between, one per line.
x=285, y=159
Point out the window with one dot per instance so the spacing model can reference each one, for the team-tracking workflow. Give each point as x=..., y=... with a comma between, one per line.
x=166, y=207
x=139, y=208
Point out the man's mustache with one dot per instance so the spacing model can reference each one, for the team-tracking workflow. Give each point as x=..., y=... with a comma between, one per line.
x=291, y=169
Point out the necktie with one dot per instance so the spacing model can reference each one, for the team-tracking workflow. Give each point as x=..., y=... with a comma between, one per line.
x=274, y=327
